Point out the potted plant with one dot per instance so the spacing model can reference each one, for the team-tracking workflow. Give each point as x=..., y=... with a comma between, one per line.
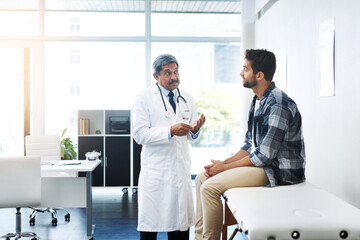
x=67, y=148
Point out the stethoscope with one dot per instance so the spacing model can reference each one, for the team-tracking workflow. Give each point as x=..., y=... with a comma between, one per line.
x=167, y=113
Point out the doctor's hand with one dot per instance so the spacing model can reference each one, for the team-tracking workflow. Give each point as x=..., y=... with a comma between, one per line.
x=198, y=124
x=180, y=129
x=214, y=168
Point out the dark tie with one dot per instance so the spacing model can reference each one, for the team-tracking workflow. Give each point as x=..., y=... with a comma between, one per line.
x=171, y=100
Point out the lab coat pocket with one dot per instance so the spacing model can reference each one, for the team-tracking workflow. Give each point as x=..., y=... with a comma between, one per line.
x=156, y=172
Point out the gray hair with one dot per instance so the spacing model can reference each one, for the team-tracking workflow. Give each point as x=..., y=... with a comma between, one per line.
x=162, y=60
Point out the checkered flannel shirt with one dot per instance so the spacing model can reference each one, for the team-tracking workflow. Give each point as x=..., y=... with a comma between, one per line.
x=279, y=142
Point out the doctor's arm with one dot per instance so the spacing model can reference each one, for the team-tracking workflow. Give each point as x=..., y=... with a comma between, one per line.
x=180, y=129
x=183, y=129
x=144, y=132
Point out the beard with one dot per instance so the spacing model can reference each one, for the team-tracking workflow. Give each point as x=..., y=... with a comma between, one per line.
x=250, y=83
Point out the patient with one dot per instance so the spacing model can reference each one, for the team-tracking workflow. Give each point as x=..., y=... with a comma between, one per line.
x=273, y=154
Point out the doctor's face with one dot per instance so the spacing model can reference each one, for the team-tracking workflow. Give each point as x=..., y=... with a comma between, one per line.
x=169, y=76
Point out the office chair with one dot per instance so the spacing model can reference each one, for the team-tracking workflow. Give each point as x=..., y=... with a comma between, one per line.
x=48, y=148
x=20, y=186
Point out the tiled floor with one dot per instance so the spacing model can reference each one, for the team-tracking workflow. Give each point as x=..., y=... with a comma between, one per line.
x=114, y=214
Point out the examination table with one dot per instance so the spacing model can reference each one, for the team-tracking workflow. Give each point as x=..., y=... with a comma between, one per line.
x=300, y=211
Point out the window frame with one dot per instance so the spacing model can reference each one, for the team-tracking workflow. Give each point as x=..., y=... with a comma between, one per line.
x=38, y=42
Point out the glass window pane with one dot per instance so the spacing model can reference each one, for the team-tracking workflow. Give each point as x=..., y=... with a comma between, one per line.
x=89, y=75
x=19, y=23
x=96, y=5
x=215, y=95
x=94, y=24
x=209, y=25
x=12, y=101
x=19, y=4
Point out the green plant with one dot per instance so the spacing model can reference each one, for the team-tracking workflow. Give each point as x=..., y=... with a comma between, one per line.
x=221, y=109
x=67, y=148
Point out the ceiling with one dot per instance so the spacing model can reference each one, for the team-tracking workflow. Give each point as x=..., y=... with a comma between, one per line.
x=166, y=6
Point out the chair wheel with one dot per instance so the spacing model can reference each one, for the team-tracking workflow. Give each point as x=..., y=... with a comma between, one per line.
x=32, y=221
x=34, y=238
x=67, y=217
x=54, y=222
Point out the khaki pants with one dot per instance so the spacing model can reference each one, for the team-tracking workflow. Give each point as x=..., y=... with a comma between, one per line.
x=209, y=209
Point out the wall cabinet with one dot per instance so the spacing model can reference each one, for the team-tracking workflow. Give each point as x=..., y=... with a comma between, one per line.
x=109, y=132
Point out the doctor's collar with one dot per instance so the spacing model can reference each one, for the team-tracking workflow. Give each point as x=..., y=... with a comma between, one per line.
x=165, y=91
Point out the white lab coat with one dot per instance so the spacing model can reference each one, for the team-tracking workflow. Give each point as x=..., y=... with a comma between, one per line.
x=164, y=194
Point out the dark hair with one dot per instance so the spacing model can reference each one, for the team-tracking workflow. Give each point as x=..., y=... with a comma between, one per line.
x=262, y=61
x=163, y=60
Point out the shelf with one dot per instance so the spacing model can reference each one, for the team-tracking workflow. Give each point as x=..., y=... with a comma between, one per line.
x=92, y=135
x=117, y=122
x=118, y=135
x=115, y=142
x=96, y=120
x=107, y=135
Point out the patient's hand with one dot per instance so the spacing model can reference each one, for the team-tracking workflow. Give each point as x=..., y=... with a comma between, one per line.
x=214, y=168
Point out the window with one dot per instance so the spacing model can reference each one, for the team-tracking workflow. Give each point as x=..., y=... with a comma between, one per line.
x=74, y=26
x=94, y=24
x=106, y=78
x=227, y=63
x=12, y=101
x=19, y=23
x=218, y=100
x=195, y=25
x=109, y=74
x=96, y=55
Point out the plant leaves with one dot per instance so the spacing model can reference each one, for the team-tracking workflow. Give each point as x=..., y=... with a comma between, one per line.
x=67, y=148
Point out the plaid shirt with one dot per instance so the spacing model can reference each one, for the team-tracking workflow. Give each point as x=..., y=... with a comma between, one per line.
x=279, y=143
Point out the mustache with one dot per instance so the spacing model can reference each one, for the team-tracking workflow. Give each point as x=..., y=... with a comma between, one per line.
x=173, y=81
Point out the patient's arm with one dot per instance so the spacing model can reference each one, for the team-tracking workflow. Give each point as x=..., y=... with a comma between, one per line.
x=240, y=159
x=237, y=156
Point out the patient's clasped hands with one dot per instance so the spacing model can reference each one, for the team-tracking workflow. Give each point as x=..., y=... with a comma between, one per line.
x=214, y=168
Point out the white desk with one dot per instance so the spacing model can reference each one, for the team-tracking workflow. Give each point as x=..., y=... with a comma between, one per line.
x=60, y=186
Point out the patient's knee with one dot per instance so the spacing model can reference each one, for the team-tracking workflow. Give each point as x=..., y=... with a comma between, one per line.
x=200, y=178
x=209, y=189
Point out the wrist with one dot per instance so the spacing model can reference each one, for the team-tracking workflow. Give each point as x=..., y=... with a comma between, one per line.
x=171, y=131
x=226, y=166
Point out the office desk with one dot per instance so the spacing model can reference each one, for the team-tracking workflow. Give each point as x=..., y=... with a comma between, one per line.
x=60, y=186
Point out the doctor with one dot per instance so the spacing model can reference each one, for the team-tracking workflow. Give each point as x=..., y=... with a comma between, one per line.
x=165, y=118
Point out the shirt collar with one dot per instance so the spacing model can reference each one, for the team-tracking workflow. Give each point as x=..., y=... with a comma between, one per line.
x=266, y=94
x=165, y=91
x=268, y=90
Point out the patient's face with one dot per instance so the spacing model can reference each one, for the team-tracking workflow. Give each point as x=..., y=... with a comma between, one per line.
x=248, y=75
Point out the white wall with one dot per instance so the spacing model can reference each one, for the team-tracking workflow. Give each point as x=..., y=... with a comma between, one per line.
x=331, y=125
